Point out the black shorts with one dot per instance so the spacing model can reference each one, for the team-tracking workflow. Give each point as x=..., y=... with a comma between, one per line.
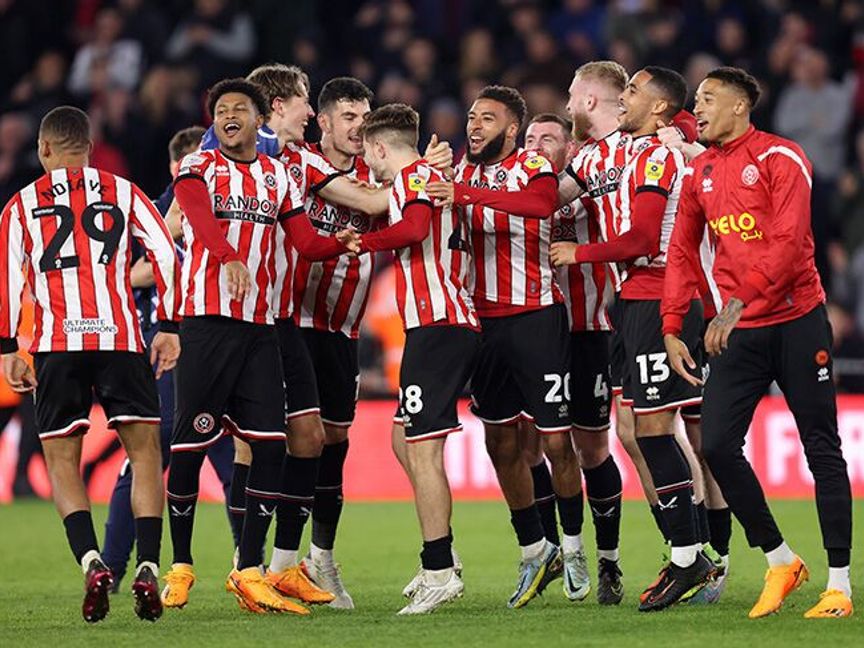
x=122, y=381
x=436, y=365
x=301, y=385
x=334, y=358
x=590, y=395
x=649, y=382
x=523, y=370
x=616, y=348
x=228, y=379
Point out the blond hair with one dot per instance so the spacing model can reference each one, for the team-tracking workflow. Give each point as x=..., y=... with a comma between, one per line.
x=610, y=73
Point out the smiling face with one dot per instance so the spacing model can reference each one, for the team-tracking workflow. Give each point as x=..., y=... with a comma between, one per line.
x=290, y=117
x=236, y=122
x=341, y=121
x=490, y=126
x=636, y=103
x=719, y=110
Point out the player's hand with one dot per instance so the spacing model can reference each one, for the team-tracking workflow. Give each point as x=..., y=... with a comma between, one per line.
x=19, y=374
x=721, y=327
x=680, y=359
x=669, y=136
x=238, y=279
x=439, y=154
x=563, y=253
x=441, y=192
x=351, y=240
x=164, y=351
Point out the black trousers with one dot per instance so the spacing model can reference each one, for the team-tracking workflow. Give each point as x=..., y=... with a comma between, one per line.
x=797, y=354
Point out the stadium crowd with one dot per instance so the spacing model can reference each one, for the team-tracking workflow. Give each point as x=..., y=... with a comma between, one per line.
x=140, y=70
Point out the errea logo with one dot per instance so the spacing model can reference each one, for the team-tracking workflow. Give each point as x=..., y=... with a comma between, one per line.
x=652, y=393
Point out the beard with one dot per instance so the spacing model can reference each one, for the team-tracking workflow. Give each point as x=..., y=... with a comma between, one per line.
x=489, y=152
x=581, y=126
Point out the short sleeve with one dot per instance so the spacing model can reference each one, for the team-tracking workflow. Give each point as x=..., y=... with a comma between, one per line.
x=655, y=169
x=318, y=170
x=194, y=165
x=292, y=202
x=533, y=164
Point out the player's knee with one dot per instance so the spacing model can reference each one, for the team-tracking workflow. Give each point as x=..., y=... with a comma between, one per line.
x=558, y=448
x=242, y=452
x=502, y=447
x=334, y=434
x=591, y=456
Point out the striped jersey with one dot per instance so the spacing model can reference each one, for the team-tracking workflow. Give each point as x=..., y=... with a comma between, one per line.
x=511, y=268
x=613, y=171
x=584, y=285
x=71, y=233
x=248, y=198
x=309, y=172
x=430, y=275
x=331, y=295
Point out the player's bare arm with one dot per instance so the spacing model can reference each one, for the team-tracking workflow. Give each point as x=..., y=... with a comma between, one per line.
x=720, y=328
x=568, y=189
x=680, y=359
x=342, y=190
x=164, y=352
x=173, y=220
x=19, y=374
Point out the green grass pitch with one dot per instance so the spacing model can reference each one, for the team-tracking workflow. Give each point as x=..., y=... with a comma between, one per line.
x=378, y=545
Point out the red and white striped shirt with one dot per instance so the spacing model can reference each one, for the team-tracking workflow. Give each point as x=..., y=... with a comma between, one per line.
x=430, y=275
x=71, y=231
x=331, y=295
x=309, y=171
x=584, y=284
x=511, y=269
x=248, y=200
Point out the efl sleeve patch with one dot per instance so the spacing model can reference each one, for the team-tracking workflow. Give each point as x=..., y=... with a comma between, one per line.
x=416, y=182
x=654, y=170
x=534, y=162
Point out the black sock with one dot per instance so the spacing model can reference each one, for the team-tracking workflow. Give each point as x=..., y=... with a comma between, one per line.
x=839, y=557
x=262, y=499
x=437, y=554
x=183, y=476
x=544, y=496
x=720, y=524
x=80, y=533
x=658, y=520
x=572, y=516
x=603, y=486
x=526, y=523
x=327, y=508
x=701, y=517
x=297, y=497
x=237, y=500
x=148, y=539
x=674, y=485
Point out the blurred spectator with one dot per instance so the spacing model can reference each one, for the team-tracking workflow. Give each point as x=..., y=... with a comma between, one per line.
x=698, y=67
x=543, y=64
x=447, y=119
x=815, y=112
x=478, y=58
x=848, y=350
x=580, y=24
x=108, y=60
x=144, y=23
x=44, y=87
x=216, y=38
x=18, y=162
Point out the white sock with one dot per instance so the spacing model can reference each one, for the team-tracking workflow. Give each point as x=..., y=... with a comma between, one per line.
x=153, y=567
x=89, y=557
x=838, y=578
x=456, y=559
x=780, y=556
x=438, y=576
x=571, y=544
x=282, y=559
x=320, y=555
x=533, y=550
x=608, y=554
x=685, y=556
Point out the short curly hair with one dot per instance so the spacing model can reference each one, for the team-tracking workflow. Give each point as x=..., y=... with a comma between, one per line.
x=508, y=96
x=241, y=86
x=741, y=79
